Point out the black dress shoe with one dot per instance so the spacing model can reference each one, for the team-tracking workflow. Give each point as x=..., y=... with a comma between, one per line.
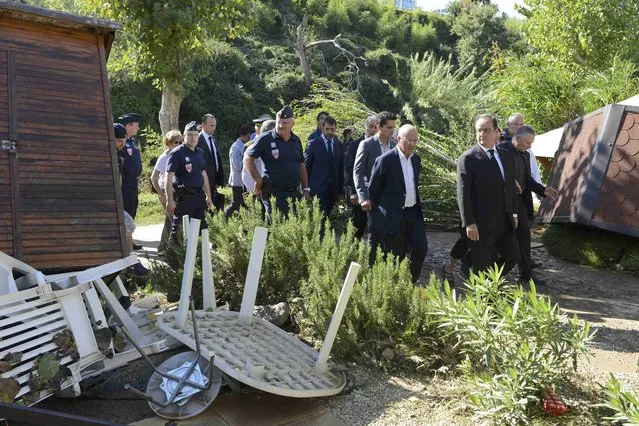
x=536, y=265
x=137, y=246
x=536, y=279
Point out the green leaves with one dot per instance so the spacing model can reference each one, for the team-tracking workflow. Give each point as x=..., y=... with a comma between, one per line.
x=515, y=343
x=624, y=404
x=588, y=33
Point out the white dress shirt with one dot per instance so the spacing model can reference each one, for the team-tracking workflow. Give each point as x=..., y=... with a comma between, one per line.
x=210, y=142
x=534, y=168
x=409, y=179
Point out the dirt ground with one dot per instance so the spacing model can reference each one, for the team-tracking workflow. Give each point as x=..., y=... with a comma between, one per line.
x=608, y=300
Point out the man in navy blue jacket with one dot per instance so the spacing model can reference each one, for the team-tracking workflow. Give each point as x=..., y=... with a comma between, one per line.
x=393, y=191
x=324, y=161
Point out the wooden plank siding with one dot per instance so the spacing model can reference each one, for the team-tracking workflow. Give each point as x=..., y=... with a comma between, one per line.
x=6, y=222
x=69, y=205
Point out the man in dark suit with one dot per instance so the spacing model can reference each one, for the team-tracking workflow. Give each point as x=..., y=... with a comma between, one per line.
x=367, y=152
x=486, y=195
x=358, y=216
x=324, y=161
x=518, y=146
x=214, y=168
x=397, y=213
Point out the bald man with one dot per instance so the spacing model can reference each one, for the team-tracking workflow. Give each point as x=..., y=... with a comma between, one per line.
x=396, y=208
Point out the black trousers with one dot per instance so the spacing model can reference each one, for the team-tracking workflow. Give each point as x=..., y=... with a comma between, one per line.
x=282, y=200
x=493, y=242
x=359, y=220
x=523, y=239
x=462, y=245
x=130, y=196
x=409, y=237
x=193, y=206
x=237, y=202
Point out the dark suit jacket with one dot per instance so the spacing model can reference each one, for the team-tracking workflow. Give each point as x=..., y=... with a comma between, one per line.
x=216, y=178
x=322, y=180
x=482, y=195
x=530, y=185
x=349, y=162
x=387, y=191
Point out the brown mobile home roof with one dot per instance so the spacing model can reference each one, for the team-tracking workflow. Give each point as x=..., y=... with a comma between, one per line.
x=60, y=19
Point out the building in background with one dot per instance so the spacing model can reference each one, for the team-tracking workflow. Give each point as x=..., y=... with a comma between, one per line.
x=406, y=4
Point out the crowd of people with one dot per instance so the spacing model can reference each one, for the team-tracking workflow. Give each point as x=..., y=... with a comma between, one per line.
x=377, y=175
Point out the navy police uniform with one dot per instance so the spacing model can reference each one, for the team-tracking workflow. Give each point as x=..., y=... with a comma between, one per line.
x=131, y=168
x=188, y=184
x=281, y=163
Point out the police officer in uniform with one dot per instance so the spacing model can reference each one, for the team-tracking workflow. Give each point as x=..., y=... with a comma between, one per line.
x=281, y=151
x=187, y=184
x=131, y=163
x=119, y=133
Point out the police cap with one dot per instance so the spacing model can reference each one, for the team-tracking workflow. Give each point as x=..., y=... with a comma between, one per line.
x=119, y=131
x=191, y=127
x=131, y=117
x=286, y=112
x=263, y=118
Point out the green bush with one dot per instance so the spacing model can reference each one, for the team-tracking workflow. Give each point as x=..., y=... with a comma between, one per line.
x=590, y=246
x=445, y=99
x=514, y=343
x=610, y=85
x=624, y=404
x=547, y=95
x=379, y=310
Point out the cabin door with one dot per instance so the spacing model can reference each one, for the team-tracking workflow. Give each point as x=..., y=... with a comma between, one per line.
x=10, y=230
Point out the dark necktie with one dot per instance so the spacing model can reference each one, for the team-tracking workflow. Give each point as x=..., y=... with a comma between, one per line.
x=329, y=149
x=493, y=162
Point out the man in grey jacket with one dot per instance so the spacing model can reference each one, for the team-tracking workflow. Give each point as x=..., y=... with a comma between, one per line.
x=367, y=152
x=236, y=153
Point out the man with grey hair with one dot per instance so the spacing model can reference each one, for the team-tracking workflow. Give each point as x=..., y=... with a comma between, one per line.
x=515, y=121
x=519, y=145
x=396, y=208
x=358, y=216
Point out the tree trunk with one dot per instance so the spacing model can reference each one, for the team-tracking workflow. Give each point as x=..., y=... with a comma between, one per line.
x=301, y=51
x=170, y=110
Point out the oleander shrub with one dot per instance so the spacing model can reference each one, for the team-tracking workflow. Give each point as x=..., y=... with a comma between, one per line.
x=623, y=403
x=513, y=343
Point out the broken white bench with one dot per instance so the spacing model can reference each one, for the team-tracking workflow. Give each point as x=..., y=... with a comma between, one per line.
x=29, y=320
x=247, y=348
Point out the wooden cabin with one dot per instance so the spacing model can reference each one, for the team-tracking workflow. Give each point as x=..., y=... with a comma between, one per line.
x=60, y=198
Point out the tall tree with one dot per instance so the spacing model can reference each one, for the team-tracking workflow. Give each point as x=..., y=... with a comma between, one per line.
x=583, y=32
x=480, y=26
x=163, y=37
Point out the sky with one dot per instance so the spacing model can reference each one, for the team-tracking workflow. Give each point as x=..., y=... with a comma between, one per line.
x=507, y=6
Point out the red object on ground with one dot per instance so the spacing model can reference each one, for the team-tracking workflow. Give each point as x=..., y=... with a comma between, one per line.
x=553, y=404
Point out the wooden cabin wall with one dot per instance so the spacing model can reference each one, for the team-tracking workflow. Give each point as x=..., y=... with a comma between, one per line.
x=69, y=214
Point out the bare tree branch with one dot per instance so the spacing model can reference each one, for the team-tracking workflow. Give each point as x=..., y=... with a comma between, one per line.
x=352, y=59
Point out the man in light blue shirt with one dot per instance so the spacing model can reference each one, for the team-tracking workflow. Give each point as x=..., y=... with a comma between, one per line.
x=236, y=155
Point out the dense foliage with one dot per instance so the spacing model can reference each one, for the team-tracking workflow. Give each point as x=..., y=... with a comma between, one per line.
x=510, y=343
x=439, y=70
